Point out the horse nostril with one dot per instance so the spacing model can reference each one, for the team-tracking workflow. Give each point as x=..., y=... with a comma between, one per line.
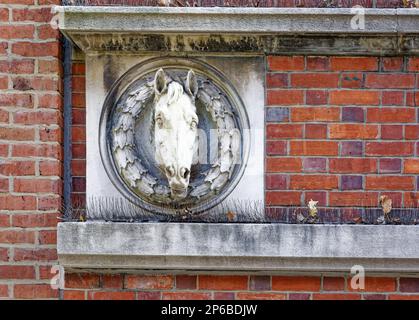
x=184, y=173
x=170, y=171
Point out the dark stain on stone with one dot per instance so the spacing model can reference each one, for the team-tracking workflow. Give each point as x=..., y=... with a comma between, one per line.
x=111, y=71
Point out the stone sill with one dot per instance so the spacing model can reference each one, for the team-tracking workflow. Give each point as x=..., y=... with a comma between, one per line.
x=238, y=247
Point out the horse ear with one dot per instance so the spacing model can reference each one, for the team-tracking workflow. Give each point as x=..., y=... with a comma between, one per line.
x=191, y=83
x=160, y=82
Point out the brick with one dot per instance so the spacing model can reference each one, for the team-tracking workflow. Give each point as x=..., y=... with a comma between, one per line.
x=50, y=134
x=353, y=165
x=37, y=117
x=285, y=97
x=78, y=167
x=186, y=282
x=3, y=48
x=260, y=296
x=36, y=83
x=35, y=220
x=349, y=198
x=393, y=98
x=17, y=66
x=9, y=202
x=78, y=100
x=4, y=150
x=333, y=284
x=354, y=63
x=393, y=64
x=284, y=131
x=305, y=114
x=30, y=49
x=376, y=284
x=411, y=132
x=353, y=114
x=149, y=282
x=314, y=165
x=34, y=254
x=4, y=14
x=389, y=183
x=390, y=165
x=390, y=81
x=285, y=63
x=336, y=296
x=351, y=148
x=37, y=185
x=48, y=203
x=223, y=295
x=276, y=182
x=313, y=148
x=16, y=32
x=48, y=237
x=151, y=295
x=299, y=296
x=313, y=182
x=374, y=297
x=316, y=97
x=354, y=97
x=74, y=295
x=391, y=115
x=391, y=132
x=275, y=148
x=9, y=272
x=222, y=282
x=187, y=295
x=4, y=253
x=353, y=131
x=315, y=131
x=277, y=114
x=4, y=291
x=111, y=295
x=18, y=134
x=285, y=283
x=314, y=80
x=16, y=100
x=79, y=116
x=37, y=150
x=4, y=116
x=283, y=165
x=50, y=168
x=409, y=284
x=78, y=68
x=403, y=297
x=318, y=63
x=352, y=80
x=33, y=15
x=78, y=133
x=411, y=166
x=413, y=64
x=47, y=32
x=284, y=198
x=112, y=281
x=351, y=182
x=276, y=80
x=82, y=281
x=260, y=283
x=21, y=2
x=389, y=149
x=49, y=66
x=52, y=101
x=316, y=196
x=78, y=84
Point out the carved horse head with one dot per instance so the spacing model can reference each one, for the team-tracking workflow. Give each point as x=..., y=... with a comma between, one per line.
x=175, y=129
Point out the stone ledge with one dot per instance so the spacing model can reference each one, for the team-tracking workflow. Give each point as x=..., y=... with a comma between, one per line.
x=238, y=247
x=234, y=20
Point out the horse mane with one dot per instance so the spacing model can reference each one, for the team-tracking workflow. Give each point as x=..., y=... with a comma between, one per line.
x=174, y=92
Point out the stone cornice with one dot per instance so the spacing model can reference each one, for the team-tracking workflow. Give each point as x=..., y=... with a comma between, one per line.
x=240, y=30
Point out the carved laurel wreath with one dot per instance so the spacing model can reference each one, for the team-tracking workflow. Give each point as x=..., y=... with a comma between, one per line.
x=136, y=175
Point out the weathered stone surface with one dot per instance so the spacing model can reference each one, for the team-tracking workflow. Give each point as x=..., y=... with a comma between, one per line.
x=239, y=247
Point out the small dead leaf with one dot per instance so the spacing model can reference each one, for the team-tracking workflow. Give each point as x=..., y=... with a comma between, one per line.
x=312, y=207
x=300, y=217
x=386, y=203
x=230, y=216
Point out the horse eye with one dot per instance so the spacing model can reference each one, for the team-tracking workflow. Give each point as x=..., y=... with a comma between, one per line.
x=170, y=171
x=159, y=122
x=194, y=125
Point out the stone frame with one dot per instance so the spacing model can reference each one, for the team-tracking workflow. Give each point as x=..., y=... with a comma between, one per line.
x=241, y=247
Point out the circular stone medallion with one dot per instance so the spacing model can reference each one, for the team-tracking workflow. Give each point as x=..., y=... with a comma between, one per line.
x=129, y=122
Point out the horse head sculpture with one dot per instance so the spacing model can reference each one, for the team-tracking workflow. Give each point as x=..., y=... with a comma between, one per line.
x=175, y=129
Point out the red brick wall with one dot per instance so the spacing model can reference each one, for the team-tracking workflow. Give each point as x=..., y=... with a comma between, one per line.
x=342, y=130
x=30, y=147
x=207, y=287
